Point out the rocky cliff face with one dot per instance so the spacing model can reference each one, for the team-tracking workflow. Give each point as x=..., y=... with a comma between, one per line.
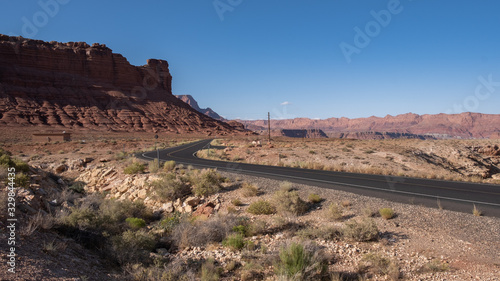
x=77, y=86
x=194, y=104
x=464, y=125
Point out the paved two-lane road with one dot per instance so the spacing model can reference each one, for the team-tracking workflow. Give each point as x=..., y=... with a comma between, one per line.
x=457, y=196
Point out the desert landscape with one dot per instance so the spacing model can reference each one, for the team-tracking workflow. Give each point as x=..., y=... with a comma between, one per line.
x=112, y=169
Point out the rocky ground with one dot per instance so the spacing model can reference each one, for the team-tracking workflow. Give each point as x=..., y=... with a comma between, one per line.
x=463, y=160
x=418, y=243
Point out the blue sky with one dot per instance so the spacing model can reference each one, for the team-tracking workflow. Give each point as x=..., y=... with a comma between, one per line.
x=244, y=58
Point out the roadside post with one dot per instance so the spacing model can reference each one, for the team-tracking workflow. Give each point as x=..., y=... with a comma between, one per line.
x=157, y=150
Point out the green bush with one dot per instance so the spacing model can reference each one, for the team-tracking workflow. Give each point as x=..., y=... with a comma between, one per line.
x=135, y=223
x=206, y=182
x=299, y=262
x=314, y=198
x=361, y=231
x=22, y=180
x=134, y=168
x=20, y=165
x=290, y=202
x=78, y=187
x=293, y=260
x=171, y=221
x=169, y=187
x=386, y=213
x=169, y=165
x=261, y=207
x=234, y=241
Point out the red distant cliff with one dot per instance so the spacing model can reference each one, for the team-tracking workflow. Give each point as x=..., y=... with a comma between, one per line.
x=464, y=125
x=81, y=86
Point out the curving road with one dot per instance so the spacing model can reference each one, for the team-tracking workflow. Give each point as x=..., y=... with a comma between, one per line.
x=456, y=196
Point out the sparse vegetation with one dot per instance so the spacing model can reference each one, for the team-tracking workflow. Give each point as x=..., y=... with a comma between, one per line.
x=296, y=262
x=135, y=223
x=374, y=263
x=314, y=198
x=476, y=212
x=361, y=231
x=205, y=182
x=237, y=202
x=386, y=213
x=249, y=190
x=134, y=168
x=209, y=272
x=261, y=207
x=170, y=187
x=154, y=166
x=169, y=165
x=289, y=201
x=234, y=241
x=334, y=212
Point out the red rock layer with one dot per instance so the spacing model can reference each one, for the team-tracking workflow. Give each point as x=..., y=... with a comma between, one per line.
x=77, y=86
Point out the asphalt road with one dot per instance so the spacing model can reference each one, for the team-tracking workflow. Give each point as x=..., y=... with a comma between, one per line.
x=456, y=196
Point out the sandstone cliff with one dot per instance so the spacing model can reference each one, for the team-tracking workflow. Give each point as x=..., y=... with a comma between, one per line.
x=78, y=86
x=464, y=125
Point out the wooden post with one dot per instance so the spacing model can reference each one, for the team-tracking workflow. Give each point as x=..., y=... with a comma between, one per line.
x=269, y=126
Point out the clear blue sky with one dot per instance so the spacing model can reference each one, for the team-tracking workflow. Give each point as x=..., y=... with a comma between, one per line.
x=244, y=58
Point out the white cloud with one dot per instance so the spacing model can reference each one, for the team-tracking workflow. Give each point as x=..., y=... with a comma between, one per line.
x=285, y=103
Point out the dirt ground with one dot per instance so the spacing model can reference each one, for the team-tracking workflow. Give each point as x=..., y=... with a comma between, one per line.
x=425, y=243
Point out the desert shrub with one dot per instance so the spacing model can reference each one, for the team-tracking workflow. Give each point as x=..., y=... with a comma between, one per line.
x=154, y=166
x=297, y=262
x=234, y=241
x=376, y=264
x=165, y=272
x=346, y=203
x=476, y=212
x=257, y=227
x=200, y=233
x=206, y=182
x=133, y=246
x=435, y=266
x=286, y=186
x=237, y=202
x=241, y=229
x=209, y=272
x=168, y=187
x=386, y=213
x=96, y=213
x=78, y=187
x=314, y=198
x=369, y=212
x=169, y=165
x=22, y=180
x=20, y=165
x=121, y=155
x=324, y=233
x=249, y=190
x=170, y=221
x=134, y=168
x=4, y=172
x=361, y=231
x=135, y=223
x=334, y=212
x=261, y=207
x=289, y=202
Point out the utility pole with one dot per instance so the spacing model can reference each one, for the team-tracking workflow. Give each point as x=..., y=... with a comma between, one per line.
x=269, y=126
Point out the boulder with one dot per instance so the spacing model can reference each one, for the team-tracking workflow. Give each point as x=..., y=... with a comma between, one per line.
x=60, y=169
x=192, y=201
x=206, y=209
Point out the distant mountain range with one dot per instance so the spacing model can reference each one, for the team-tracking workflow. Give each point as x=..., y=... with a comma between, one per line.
x=194, y=104
x=438, y=126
